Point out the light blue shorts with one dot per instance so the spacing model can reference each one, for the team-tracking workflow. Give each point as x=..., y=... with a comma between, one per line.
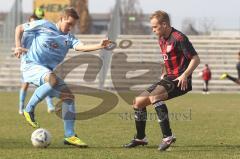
x=35, y=74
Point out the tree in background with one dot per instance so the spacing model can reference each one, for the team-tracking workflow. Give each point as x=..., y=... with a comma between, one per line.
x=85, y=19
x=132, y=18
x=188, y=27
x=205, y=26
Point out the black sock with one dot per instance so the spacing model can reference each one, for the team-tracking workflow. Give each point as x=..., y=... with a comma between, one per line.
x=162, y=113
x=140, y=121
x=232, y=78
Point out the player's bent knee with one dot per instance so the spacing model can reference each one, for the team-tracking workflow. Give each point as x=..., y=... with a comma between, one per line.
x=160, y=97
x=153, y=99
x=52, y=79
x=141, y=103
x=67, y=95
x=135, y=104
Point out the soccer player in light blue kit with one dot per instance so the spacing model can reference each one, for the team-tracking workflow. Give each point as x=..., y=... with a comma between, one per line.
x=50, y=45
x=26, y=43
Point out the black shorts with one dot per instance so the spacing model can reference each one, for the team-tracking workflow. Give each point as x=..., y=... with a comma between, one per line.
x=171, y=87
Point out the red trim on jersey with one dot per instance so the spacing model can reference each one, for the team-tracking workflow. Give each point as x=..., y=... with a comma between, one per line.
x=175, y=63
x=177, y=52
x=177, y=36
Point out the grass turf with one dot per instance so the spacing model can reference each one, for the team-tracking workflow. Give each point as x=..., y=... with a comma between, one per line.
x=206, y=126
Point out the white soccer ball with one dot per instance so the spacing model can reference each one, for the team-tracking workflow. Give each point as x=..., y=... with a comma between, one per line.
x=41, y=138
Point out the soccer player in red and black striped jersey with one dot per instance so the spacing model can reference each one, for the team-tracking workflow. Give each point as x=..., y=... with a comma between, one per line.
x=180, y=60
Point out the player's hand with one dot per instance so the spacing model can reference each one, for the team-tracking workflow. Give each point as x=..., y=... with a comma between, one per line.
x=162, y=76
x=18, y=51
x=105, y=43
x=182, y=82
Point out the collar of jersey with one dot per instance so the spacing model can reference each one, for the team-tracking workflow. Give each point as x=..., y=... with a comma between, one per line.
x=57, y=28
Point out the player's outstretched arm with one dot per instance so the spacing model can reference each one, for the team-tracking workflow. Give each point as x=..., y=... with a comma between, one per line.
x=18, y=35
x=86, y=48
x=18, y=50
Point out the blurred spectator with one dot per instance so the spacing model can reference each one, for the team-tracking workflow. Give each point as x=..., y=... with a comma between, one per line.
x=206, y=76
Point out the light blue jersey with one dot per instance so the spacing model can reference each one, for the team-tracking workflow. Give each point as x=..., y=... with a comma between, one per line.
x=49, y=46
x=26, y=41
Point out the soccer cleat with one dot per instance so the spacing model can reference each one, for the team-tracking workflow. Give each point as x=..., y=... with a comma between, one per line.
x=136, y=142
x=223, y=76
x=166, y=143
x=29, y=116
x=75, y=141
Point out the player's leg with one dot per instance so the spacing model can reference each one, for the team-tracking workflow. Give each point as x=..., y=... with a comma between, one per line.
x=231, y=78
x=140, y=116
x=171, y=91
x=22, y=96
x=207, y=87
x=238, y=70
x=234, y=79
x=47, y=82
x=204, y=87
x=139, y=105
x=157, y=97
x=227, y=76
x=67, y=109
x=68, y=115
x=50, y=105
x=50, y=80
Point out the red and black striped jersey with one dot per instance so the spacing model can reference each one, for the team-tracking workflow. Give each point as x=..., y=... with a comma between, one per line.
x=177, y=52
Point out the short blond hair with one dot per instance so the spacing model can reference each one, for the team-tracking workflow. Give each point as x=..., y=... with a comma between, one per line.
x=70, y=12
x=161, y=16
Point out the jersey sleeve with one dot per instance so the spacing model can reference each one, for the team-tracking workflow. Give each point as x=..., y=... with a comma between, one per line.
x=34, y=25
x=74, y=42
x=187, y=48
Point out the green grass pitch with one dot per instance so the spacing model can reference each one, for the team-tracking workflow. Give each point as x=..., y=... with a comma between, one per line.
x=206, y=126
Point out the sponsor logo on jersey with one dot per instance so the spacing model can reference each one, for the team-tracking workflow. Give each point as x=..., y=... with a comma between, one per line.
x=66, y=42
x=169, y=48
x=165, y=57
x=54, y=45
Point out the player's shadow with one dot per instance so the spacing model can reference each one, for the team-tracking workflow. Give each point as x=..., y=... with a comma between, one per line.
x=89, y=147
x=96, y=147
x=207, y=147
x=19, y=144
x=104, y=147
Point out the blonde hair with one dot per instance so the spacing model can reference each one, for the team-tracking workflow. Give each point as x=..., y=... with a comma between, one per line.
x=70, y=12
x=161, y=16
